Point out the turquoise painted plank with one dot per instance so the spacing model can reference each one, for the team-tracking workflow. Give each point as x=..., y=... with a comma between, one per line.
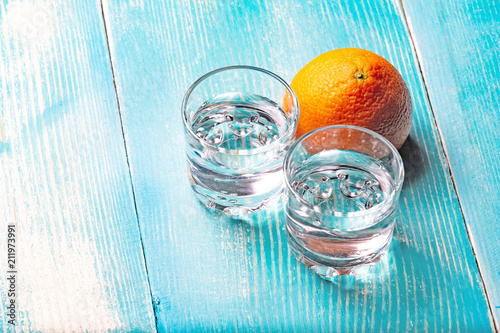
x=64, y=178
x=457, y=44
x=208, y=273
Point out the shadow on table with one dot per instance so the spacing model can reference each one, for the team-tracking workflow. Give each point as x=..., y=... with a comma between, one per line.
x=413, y=160
x=248, y=265
x=266, y=230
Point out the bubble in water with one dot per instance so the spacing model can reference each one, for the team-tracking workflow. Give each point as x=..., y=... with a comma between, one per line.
x=342, y=176
x=215, y=136
x=200, y=132
x=241, y=129
x=375, y=195
x=371, y=182
x=322, y=191
x=304, y=186
x=264, y=138
x=369, y=202
x=254, y=118
x=350, y=190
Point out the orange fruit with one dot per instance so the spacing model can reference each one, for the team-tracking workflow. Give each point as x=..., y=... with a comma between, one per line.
x=354, y=87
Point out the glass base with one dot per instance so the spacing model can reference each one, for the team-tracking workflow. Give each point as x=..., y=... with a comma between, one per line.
x=328, y=267
x=243, y=205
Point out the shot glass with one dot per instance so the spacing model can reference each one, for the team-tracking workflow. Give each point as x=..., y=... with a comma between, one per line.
x=342, y=187
x=239, y=122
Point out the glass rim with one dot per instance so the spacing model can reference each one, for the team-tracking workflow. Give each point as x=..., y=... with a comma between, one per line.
x=376, y=209
x=295, y=111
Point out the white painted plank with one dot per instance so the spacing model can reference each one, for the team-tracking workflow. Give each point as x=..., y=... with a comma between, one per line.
x=64, y=180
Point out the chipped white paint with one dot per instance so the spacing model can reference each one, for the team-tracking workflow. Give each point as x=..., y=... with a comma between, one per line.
x=31, y=21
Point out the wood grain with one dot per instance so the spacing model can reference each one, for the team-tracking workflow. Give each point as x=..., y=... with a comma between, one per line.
x=209, y=273
x=457, y=44
x=64, y=176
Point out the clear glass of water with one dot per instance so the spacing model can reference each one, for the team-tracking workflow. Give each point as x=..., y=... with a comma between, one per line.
x=239, y=123
x=342, y=185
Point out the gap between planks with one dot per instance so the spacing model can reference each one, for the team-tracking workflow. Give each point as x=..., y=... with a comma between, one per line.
x=448, y=167
x=153, y=304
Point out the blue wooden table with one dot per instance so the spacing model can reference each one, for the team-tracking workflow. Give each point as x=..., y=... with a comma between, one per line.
x=109, y=236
